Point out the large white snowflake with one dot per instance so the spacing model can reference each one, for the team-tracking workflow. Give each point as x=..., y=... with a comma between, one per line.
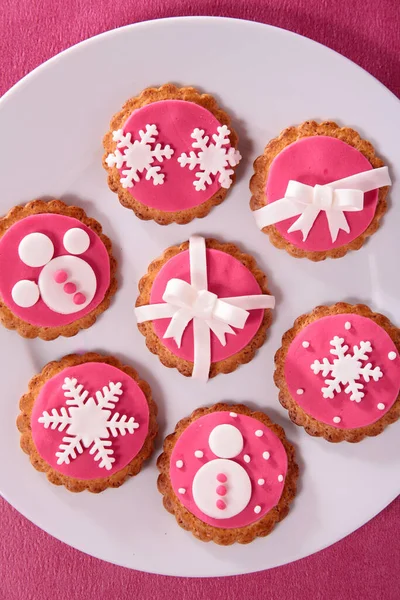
x=211, y=158
x=138, y=156
x=89, y=422
x=347, y=370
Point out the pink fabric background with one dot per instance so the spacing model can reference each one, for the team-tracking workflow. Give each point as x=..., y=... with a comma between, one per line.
x=365, y=565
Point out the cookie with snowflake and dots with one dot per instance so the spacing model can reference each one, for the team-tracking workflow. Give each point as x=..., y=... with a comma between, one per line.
x=319, y=190
x=204, y=307
x=57, y=271
x=170, y=154
x=228, y=474
x=338, y=372
x=88, y=422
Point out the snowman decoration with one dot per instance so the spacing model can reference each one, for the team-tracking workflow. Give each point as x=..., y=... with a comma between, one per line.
x=222, y=488
x=66, y=284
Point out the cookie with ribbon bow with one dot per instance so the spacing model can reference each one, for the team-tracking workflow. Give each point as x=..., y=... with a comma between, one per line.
x=57, y=270
x=228, y=474
x=88, y=422
x=204, y=307
x=319, y=190
x=170, y=154
x=338, y=372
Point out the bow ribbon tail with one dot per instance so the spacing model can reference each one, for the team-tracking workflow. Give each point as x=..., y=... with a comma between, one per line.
x=220, y=329
x=252, y=302
x=148, y=312
x=336, y=221
x=180, y=320
x=202, y=350
x=274, y=212
x=305, y=222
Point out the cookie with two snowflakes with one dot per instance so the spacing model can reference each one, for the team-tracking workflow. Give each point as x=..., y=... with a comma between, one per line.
x=88, y=422
x=228, y=474
x=57, y=270
x=170, y=154
x=338, y=372
x=319, y=190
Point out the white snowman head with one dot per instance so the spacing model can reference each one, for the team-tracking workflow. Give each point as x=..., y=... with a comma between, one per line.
x=66, y=284
x=222, y=488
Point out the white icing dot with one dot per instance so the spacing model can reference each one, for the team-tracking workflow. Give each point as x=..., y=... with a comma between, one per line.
x=182, y=490
x=259, y=433
x=300, y=391
x=392, y=355
x=336, y=419
x=347, y=325
x=280, y=478
x=381, y=406
x=257, y=509
x=305, y=344
x=261, y=481
x=226, y=441
x=25, y=293
x=199, y=454
x=234, y=415
x=76, y=241
x=266, y=455
x=246, y=458
x=36, y=249
x=179, y=464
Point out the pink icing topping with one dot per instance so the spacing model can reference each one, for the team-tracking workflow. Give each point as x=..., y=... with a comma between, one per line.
x=221, y=490
x=12, y=269
x=226, y=277
x=266, y=496
x=340, y=411
x=221, y=504
x=93, y=376
x=221, y=477
x=320, y=160
x=175, y=121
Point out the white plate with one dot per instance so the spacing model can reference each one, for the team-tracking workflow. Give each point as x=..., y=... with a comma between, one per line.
x=51, y=128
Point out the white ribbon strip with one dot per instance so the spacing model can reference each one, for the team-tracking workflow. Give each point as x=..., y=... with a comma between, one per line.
x=336, y=198
x=185, y=302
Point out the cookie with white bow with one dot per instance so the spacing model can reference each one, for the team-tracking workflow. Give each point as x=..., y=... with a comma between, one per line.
x=319, y=190
x=228, y=474
x=204, y=307
x=57, y=271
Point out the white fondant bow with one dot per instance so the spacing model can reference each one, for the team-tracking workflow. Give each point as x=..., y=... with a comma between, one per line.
x=336, y=198
x=185, y=302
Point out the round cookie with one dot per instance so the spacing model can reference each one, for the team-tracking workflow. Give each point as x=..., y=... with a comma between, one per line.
x=170, y=154
x=57, y=271
x=88, y=422
x=204, y=307
x=228, y=474
x=338, y=372
x=319, y=190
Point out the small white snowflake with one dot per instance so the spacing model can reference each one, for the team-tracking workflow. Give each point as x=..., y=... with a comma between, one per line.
x=88, y=422
x=212, y=158
x=347, y=370
x=138, y=156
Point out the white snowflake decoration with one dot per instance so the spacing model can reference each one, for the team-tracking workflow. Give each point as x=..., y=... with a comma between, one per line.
x=139, y=156
x=88, y=422
x=212, y=158
x=347, y=370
